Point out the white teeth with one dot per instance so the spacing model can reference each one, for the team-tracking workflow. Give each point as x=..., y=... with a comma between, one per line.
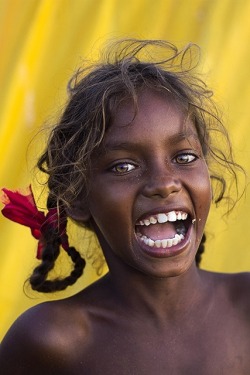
x=167, y=242
x=172, y=216
x=151, y=243
x=176, y=240
x=153, y=220
x=158, y=243
x=164, y=243
x=163, y=218
x=170, y=243
x=179, y=216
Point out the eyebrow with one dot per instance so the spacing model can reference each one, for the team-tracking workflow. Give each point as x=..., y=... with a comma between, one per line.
x=176, y=138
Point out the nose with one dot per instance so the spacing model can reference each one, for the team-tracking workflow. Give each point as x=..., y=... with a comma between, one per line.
x=160, y=184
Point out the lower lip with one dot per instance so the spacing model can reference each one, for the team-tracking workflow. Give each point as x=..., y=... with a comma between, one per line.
x=160, y=252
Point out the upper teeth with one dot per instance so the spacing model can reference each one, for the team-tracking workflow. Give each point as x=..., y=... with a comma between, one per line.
x=164, y=217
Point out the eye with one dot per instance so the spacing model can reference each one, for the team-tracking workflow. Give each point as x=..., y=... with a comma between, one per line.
x=122, y=168
x=185, y=158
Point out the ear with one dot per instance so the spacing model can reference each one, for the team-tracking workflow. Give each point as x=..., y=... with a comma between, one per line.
x=79, y=211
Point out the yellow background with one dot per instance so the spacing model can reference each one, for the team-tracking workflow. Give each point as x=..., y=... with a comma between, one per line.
x=42, y=42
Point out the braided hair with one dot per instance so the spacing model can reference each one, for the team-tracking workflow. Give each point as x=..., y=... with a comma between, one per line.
x=52, y=240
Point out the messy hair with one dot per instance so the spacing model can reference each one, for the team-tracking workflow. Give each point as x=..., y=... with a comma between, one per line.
x=95, y=92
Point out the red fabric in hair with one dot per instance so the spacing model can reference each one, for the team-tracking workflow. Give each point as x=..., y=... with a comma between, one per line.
x=22, y=209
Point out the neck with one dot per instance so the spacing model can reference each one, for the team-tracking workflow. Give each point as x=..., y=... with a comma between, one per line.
x=162, y=298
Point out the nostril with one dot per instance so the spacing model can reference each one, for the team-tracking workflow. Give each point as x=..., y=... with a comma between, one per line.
x=162, y=186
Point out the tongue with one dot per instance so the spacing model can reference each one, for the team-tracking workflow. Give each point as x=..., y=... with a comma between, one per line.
x=158, y=231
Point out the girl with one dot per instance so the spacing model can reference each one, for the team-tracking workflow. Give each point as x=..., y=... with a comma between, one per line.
x=133, y=158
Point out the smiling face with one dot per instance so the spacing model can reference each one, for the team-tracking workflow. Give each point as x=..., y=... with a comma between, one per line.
x=149, y=188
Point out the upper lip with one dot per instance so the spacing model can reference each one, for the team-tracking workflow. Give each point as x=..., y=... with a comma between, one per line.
x=164, y=209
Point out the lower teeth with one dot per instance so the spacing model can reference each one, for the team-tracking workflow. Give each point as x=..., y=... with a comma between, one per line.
x=162, y=243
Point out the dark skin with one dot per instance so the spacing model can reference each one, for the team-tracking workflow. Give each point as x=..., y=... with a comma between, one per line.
x=154, y=312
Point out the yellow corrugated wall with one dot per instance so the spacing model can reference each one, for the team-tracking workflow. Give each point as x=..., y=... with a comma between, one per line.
x=42, y=42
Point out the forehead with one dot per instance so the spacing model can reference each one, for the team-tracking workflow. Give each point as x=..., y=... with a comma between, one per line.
x=155, y=112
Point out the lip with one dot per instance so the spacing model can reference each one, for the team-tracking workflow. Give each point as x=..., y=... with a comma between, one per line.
x=168, y=252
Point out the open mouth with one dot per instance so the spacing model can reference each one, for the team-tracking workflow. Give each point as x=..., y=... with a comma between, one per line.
x=163, y=230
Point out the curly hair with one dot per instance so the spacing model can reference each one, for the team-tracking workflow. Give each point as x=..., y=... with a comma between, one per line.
x=95, y=91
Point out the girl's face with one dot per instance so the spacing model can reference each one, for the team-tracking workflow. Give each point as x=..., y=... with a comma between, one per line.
x=149, y=188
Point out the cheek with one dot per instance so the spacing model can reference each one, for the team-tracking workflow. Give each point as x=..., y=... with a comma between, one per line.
x=110, y=209
x=203, y=189
x=203, y=195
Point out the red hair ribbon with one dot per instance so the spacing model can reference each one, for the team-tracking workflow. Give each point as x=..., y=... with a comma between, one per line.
x=22, y=209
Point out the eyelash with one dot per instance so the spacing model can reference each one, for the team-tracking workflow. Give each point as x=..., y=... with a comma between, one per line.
x=130, y=166
x=116, y=166
x=185, y=155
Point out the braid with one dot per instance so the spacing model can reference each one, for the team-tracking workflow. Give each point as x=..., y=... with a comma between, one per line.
x=49, y=255
x=201, y=250
x=51, y=251
x=38, y=279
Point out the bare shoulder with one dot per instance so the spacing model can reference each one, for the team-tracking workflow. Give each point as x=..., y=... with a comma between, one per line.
x=55, y=337
x=239, y=288
x=235, y=289
x=44, y=339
